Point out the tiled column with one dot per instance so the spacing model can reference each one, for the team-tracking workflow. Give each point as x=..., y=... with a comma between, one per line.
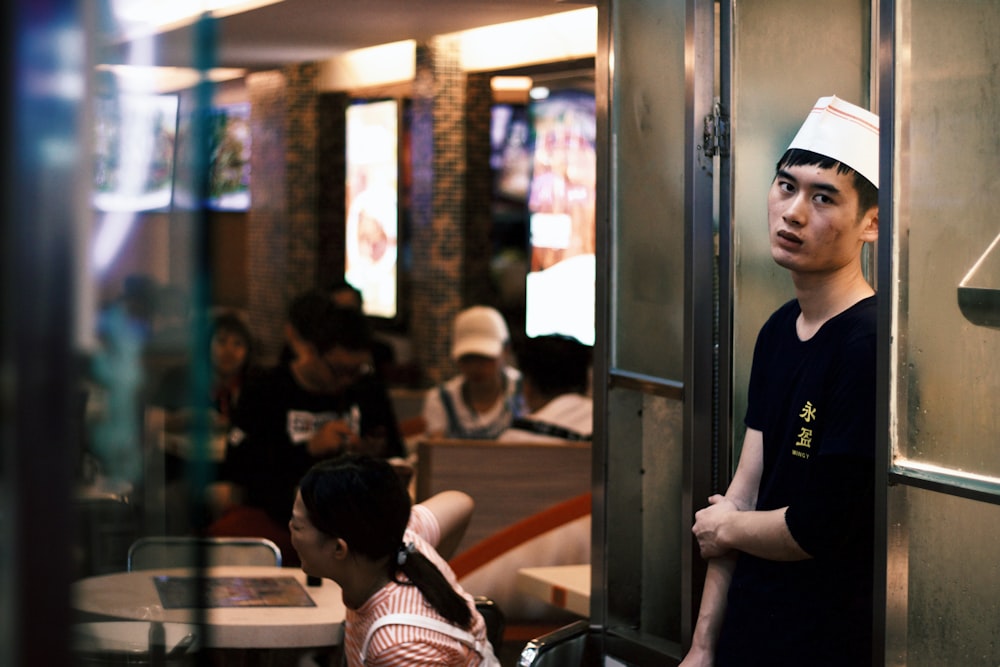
x=332, y=172
x=438, y=151
x=282, y=236
x=478, y=285
x=302, y=182
x=450, y=213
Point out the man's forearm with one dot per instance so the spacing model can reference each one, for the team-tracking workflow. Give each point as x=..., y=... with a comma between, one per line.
x=713, y=604
x=762, y=534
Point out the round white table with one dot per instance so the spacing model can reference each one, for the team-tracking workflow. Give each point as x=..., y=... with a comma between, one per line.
x=134, y=596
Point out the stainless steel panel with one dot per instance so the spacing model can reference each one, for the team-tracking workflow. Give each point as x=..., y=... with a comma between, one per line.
x=648, y=141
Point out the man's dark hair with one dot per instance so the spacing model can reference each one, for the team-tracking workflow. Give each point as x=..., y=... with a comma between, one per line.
x=318, y=321
x=797, y=157
x=341, y=285
x=554, y=364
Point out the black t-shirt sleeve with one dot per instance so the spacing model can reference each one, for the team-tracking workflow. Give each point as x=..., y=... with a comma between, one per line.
x=824, y=521
x=839, y=497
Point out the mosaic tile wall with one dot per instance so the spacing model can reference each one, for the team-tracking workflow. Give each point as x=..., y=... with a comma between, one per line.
x=301, y=180
x=282, y=236
x=296, y=226
x=437, y=214
x=267, y=234
x=478, y=286
x=331, y=171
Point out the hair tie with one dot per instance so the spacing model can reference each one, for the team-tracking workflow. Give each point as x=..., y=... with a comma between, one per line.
x=403, y=551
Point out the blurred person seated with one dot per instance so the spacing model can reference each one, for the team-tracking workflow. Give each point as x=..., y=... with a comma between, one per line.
x=231, y=358
x=484, y=398
x=555, y=372
x=352, y=522
x=324, y=402
x=345, y=295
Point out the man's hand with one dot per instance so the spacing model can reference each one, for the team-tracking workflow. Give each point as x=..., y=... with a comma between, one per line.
x=709, y=525
x=698, y=657
x=332, y=438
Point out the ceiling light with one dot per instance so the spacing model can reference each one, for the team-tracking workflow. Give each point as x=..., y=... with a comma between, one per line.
x=510, y=83
x=538, y=93
x=166, y=79
x=138, y=17
x=562, y=36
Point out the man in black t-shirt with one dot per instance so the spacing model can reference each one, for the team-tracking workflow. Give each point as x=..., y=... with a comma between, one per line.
x=324, y=401
x=790, y=544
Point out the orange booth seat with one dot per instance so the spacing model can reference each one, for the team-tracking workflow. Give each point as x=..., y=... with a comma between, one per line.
x=532, y=509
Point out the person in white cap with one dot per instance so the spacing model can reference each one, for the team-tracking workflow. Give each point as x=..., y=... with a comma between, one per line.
x=790, y=544
x=484, y=398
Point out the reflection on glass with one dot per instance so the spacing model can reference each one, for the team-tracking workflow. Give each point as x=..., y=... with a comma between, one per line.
x=947, y=366
x=979, y=291
x=648, y=137
x=134, y=145
x=229, y=160
x=952, y=605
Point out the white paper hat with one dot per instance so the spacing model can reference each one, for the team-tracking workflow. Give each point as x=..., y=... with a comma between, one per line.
x=844, y=132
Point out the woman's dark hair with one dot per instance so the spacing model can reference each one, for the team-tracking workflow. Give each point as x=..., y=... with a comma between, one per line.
x=362, y=501
x=867, y=192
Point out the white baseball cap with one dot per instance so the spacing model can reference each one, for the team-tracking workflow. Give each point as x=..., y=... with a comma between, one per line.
x=842, y=131
x=479, y=330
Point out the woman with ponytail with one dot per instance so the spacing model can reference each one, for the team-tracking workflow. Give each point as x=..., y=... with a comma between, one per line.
x=352, y=522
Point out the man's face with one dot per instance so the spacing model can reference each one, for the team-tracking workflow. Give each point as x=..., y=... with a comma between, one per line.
x=335, y=370
x=813, y=219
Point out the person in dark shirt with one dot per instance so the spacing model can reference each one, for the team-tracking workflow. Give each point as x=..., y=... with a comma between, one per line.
x=231, y=365
x=324, y=402
x=346, y=295
x=554, y=385
x=790, y=544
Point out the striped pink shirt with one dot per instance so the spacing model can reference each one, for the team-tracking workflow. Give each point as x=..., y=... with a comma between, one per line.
x=407, y=645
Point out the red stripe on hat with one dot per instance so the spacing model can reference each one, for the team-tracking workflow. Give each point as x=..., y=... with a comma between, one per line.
x=849, y=116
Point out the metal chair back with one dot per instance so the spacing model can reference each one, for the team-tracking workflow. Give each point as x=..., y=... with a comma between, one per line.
x=495, y=620
x=149, y=553
x=569, y=646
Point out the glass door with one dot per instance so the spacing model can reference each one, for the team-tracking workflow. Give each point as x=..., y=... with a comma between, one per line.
x=704, y=98
x=652, y=380
x=37, y=253
x=941, y=258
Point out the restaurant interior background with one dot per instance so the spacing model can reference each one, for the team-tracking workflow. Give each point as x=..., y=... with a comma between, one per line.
x=674, y=223
x=267, y=141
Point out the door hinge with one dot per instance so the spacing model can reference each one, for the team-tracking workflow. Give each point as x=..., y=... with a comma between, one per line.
x=715, y=140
